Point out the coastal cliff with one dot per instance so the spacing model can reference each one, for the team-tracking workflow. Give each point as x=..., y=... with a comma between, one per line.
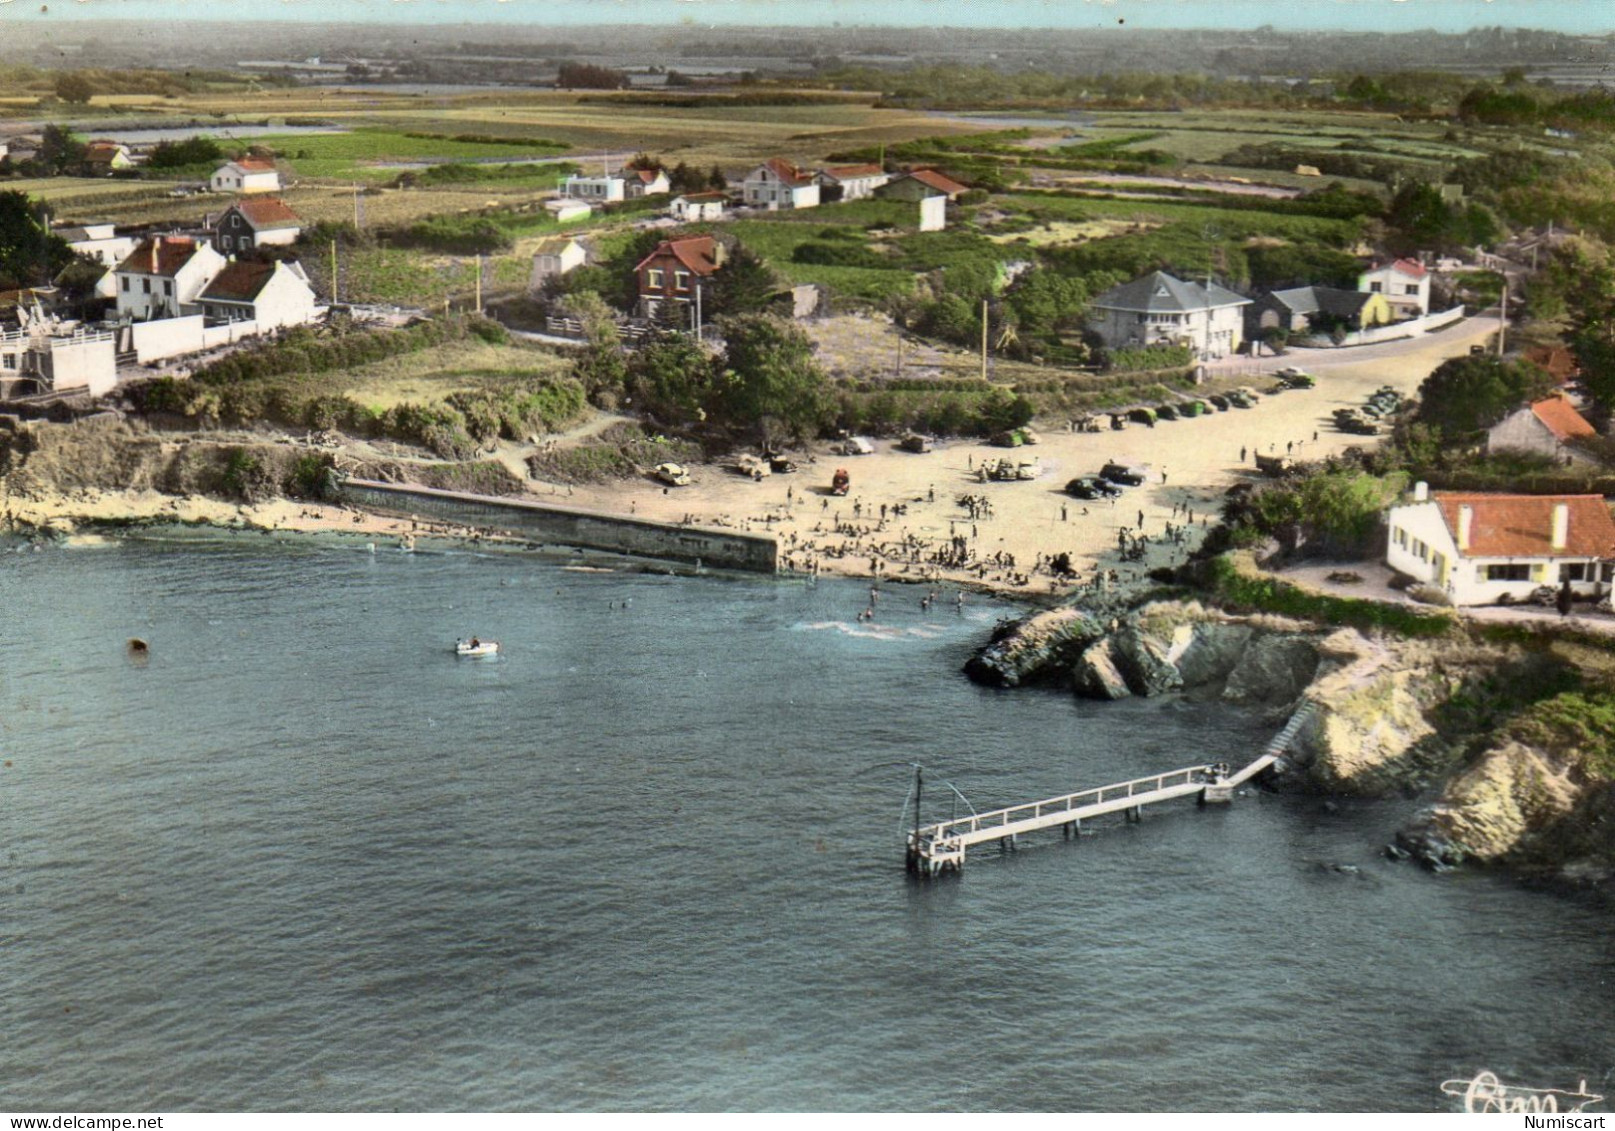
x=1518, y=764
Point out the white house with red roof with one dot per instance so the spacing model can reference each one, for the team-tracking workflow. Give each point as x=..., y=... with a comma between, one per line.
x=919, y=184
x=249, y=174
x=162, y=277
x=272, y=295
x=678, y=271
x=855, y=182
x=1483, y=548
x=266, y=221
x=1404, y=283
x=1547, y=427
x=778, y=184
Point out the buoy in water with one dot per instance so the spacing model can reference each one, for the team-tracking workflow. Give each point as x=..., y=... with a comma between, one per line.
x=138, y=645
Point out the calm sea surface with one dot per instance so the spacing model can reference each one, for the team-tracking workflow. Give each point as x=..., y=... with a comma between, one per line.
x=303, y=858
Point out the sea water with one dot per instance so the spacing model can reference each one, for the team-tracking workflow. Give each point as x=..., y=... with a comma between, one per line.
x=300, y=856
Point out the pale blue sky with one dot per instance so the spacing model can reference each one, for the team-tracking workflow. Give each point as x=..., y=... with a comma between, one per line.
x=1588, y=16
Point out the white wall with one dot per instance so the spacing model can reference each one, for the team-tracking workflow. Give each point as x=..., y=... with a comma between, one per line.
x=90, y=364
x=933, y=213
x=168, y=337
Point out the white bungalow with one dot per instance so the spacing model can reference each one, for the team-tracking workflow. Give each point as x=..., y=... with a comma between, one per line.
x=778, y=184
x=556, y=256
x=1480, y=548
x=596, y=190
x=271, y=295
x=1404, y=283
x=694, y=206
x=250, y=174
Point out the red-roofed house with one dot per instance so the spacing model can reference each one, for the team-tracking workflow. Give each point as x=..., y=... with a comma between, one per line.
x=645, y=182
x=777, y=184
x=1481, y=548
x=102, y=157
x=273, y=295
x=250, y=174
x=163, y=275
x=259, y=222
x=1404, y=283
x=851, y=182
x=678, y=271
x=1547, y=427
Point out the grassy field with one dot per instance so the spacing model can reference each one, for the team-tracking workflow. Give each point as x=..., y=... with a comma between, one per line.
x=432, y=375
x=361, y=153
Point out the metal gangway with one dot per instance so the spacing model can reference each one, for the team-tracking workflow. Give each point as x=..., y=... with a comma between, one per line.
x=942, y=847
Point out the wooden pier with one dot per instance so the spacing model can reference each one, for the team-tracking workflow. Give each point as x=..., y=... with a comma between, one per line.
x=933, y=849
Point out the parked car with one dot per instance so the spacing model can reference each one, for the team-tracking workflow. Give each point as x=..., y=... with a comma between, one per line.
x=1195, y=408
x=1126, y=474
x=1091, y=487
x=916, y=443
x=1219, y=402
x=857, y=446
x=1166, y=412
x=672, y=474
x=753, y=466
x=781, y=465
x=1142, y=416
x=1240, y=400
x=1015, y=437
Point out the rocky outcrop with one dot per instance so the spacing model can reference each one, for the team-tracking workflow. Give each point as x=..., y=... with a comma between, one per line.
x=1096, y=675
x=1040, y=648
x=1271, y=669
x=1493, y=811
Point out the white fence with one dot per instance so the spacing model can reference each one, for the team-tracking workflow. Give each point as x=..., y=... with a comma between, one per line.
x=1412, y=328
x=172, y=337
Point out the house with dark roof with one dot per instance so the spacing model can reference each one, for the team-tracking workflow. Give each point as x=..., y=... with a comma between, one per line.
x=1548, y=427
x=918, y=184
x=1484, y=548
x=265, y=221
x=1160, y=310
x=162, y=277
x=272, y=295
x=1306, y=310
x=678, y=271
x=778, y=184
x=249, y=174
x=1405, y=283
x=555, y=256
x=850, y=182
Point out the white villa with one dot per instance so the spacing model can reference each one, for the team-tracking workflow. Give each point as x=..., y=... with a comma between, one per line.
x=250, y=174
x=270, y=295
x=778, y=184
x=162, y=277
x=1159, y=310
x=855, y=181
x=1480, y=548
x=596, y=190
x=1405, y=285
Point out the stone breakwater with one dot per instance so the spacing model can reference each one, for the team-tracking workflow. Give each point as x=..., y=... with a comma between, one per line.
x=1390, y=717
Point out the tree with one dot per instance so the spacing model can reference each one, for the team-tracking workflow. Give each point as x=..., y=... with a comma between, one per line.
x=1420, y=217
x=30, y=255
x=744, y=284
x=59, y=150
x=1581, y=280
x=771, y=384
x=73, y=87
x=1466, y=395
x=716, y=181
x=671, y=380
x=684, y=178
x=191, y=151
x=587, y=76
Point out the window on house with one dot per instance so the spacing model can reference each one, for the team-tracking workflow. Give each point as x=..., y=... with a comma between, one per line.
x=1375, y=287
x=145, y=286
x=9, y=361
x=1410, y=289
x=681, y=280
x=1508, y=573
x=126, y=283
x=653, y=278
x=168, y=286
x=1606, y=572
x=226, y=243
x=1573, y=571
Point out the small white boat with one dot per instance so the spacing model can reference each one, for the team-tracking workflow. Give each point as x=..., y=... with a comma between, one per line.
x=476, y=647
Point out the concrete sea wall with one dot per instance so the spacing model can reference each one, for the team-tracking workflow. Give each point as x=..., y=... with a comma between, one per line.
x=571, y=526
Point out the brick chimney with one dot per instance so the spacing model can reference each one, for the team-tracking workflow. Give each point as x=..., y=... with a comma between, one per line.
x=1466, y=524
x=1561, y=526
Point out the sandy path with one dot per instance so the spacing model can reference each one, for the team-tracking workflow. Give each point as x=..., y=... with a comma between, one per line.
x=1201, y=459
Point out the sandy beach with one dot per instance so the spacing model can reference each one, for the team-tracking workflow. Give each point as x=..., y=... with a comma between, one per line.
x=923, y=518
x=1193, y=462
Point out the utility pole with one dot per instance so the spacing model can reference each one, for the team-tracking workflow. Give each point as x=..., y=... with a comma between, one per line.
x=479, y=284
x=698, y=289
x=984, y=339
x=1502, y=318
x=333, y=270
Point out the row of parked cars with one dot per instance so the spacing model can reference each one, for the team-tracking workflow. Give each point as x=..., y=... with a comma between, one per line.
x=1109, y=482
x=1382, y=405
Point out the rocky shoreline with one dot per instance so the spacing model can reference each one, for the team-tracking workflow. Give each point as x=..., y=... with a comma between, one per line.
x=1381, y=717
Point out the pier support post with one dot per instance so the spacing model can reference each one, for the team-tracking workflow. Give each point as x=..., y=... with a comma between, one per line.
x=1135, y=815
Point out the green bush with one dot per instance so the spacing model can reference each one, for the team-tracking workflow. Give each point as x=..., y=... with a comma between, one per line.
x=1270, y=595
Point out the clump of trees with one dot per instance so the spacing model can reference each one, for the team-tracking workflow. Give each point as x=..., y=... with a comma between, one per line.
x=30, y=254
x=179, y=154
x=589, y=76
x=1467, y=395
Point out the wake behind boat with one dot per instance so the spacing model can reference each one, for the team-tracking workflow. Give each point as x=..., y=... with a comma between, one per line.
x=476, y=647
